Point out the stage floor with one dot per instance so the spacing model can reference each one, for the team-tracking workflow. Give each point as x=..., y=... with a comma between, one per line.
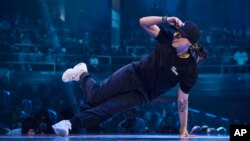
x=113, y=138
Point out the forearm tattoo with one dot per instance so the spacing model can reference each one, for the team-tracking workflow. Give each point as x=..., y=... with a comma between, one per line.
x=182, y=105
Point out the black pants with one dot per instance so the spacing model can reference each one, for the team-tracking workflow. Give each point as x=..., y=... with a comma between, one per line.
x=123, y=90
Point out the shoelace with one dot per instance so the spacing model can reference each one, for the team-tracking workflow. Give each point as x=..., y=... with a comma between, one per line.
x=74, y=76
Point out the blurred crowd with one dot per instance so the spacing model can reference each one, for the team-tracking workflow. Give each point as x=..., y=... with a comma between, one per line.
x=35, y=40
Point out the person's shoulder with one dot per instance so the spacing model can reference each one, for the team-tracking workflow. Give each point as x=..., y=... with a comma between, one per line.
x=164, y=36
x=191, y=66
x=166, y=31
x=192, y=61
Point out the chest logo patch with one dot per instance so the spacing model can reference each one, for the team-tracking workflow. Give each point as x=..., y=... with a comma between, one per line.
x=173, y=69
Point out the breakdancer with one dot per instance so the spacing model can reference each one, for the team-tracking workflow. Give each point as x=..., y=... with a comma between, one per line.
x=173, y=61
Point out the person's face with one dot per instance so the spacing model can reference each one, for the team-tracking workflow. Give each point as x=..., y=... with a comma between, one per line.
x=180, y=43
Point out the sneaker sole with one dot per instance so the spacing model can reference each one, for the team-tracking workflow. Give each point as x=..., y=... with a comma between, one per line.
x=60, y=132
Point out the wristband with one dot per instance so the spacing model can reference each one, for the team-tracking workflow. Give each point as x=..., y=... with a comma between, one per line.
x=164, y=19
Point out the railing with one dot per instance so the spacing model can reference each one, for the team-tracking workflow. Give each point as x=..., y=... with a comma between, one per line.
x=58, y=62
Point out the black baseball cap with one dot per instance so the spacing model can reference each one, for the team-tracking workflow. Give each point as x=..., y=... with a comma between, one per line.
x=190, y=30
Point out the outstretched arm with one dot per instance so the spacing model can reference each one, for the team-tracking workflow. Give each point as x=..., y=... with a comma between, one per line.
x=149, y=24
x=183, y=112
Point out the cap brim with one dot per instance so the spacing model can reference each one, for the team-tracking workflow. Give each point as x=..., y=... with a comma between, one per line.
x=183, y=33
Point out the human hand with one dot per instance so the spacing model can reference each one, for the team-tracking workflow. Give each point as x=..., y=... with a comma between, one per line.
x=174, y=21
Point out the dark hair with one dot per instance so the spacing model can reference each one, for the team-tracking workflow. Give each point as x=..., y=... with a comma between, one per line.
x=199, y=52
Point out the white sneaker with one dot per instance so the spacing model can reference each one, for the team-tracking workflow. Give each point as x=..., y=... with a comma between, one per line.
x=73, y=74
x=62, y=128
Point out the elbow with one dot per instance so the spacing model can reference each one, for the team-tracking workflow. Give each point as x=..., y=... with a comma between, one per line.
x=142, y=21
